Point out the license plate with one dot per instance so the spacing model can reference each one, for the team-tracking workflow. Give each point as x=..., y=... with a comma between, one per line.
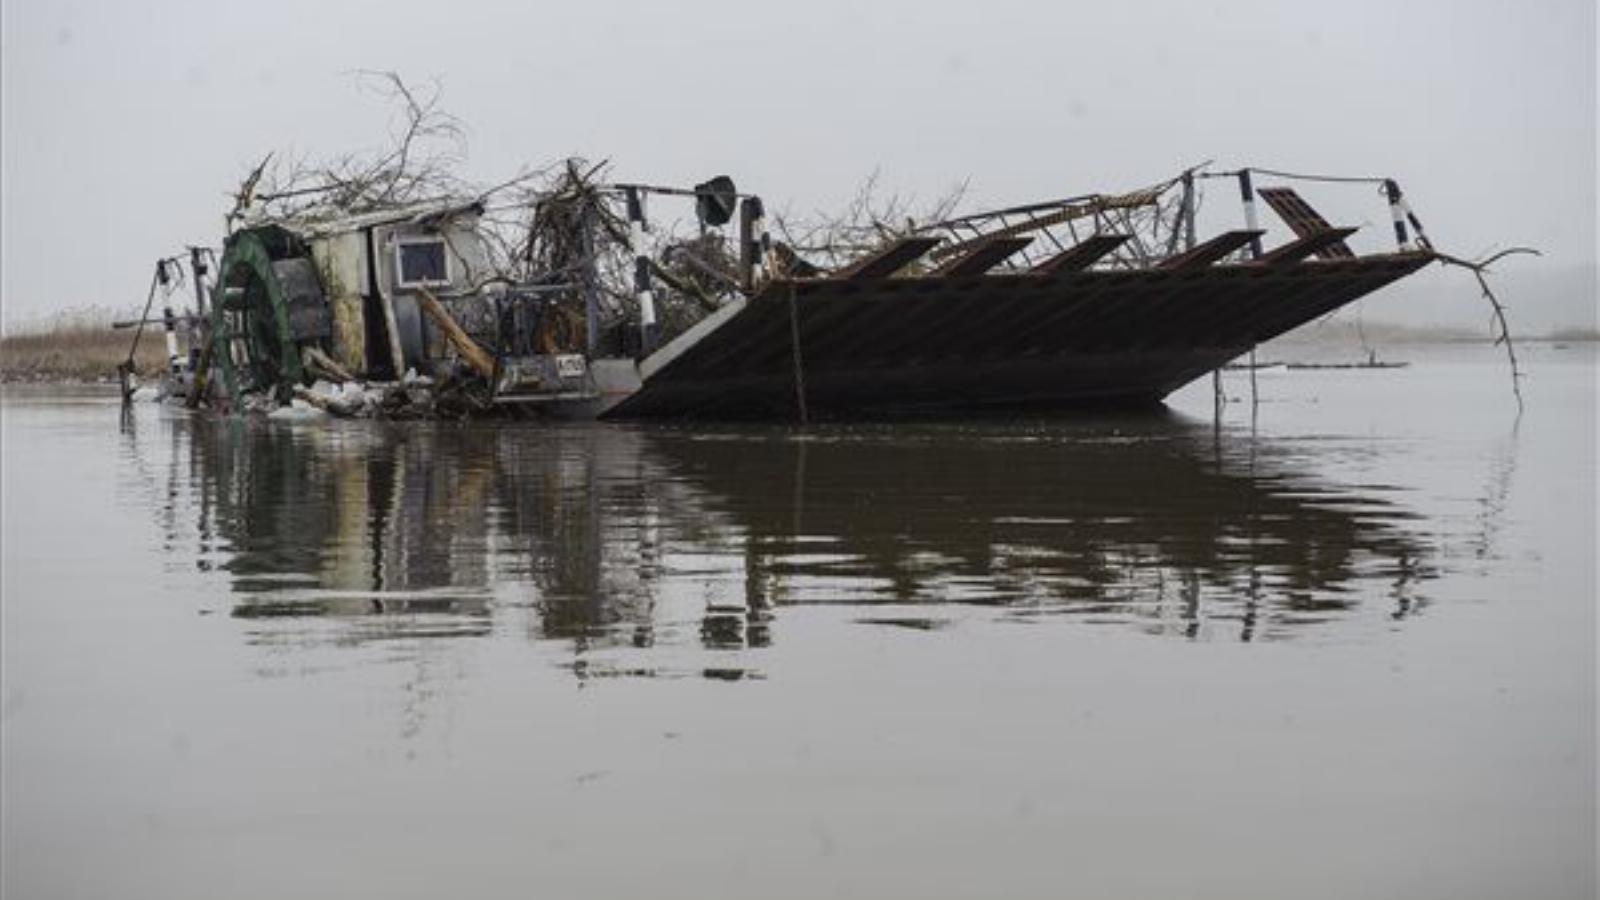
x=570, y=366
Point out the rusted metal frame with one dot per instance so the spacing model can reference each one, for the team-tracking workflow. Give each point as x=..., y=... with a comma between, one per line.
x=1270, y=291
x=1143, y=308
x=1087, y=332
x=1211, y=251
x=1315, y=303
x=997, y=329
x=1302, y=218
x=1231, y=321
x=1076, y=298
x=1142, y=291
x=1248, y=292
x=836, y=307
x=972, y=320
x=1053, y=205
x=867, y=312
x=736, y=336
x=1318, y=300
x=824, y=348
x=1076, y=293
x=936, y=309
x=943, y=310
x=1060, y=247
x=1135, y=241
x=1304, y=246
x=980, y=258
x=1288, y=293
x=887, y=260
x=1359, y=284
x=1081, y=255
x=1034, y=223
x=826, y=334
x=1179, y=214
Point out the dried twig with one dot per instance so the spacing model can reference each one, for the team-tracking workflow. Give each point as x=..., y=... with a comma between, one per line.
x=871, y=220
x=1479, y=269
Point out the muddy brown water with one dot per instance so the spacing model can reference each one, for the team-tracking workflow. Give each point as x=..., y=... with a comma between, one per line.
x=1348, y=651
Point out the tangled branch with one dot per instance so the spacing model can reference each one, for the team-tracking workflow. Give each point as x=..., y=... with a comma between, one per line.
x=870, y=221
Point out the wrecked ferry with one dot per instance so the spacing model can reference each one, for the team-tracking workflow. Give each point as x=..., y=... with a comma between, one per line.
x=596, y=307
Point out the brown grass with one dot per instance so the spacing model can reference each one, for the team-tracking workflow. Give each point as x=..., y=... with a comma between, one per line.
x=77, y=348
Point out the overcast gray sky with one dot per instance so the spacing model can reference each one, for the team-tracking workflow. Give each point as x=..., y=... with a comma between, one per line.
x=126, y=123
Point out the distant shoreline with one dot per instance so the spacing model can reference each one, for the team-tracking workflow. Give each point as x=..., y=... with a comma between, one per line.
x=86, y=350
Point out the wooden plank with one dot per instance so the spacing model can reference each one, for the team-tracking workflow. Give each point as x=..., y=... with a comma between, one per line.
x=1083, y=255
x=1302, y=219
x=474, y=355
x=887, y=260
x=1211, y=251
x=982, y=257
x=1305, y=246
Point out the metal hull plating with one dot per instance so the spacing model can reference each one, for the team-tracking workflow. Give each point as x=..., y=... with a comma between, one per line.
x=853, y=348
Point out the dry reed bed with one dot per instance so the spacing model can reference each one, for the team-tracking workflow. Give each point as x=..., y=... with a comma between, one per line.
x=77, y=351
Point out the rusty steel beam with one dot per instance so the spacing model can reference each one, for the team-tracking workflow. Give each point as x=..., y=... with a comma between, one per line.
x=1304, y=246
x=981, y=257
x=1082, y=255
x=888, y=260
x=1210, y=251
x=1302, y=219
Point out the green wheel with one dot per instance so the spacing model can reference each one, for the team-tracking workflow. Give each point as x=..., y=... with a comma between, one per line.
x=269, y=305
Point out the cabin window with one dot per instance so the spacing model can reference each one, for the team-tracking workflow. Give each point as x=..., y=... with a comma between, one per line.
x=421, y=262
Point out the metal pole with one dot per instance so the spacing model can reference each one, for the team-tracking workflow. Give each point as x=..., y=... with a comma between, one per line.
x=648, y=330
x=752, y=218
x=1247, y=193
x=197, y=327
x=1397, y=212
x=589, y=282
x=197, y=264
x=1188, y=211
x=169, y=322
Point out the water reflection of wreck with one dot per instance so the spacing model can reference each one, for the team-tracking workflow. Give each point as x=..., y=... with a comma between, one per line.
x=614, y=537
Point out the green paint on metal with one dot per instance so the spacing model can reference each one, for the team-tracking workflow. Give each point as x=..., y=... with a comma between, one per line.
x=271, y=358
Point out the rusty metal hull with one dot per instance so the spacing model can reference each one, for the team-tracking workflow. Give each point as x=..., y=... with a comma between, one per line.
x=954, y=344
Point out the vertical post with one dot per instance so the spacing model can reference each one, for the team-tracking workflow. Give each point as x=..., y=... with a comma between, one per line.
x=197, y=264
x=169, y=322
x=763, y=248
x=752, y=225
x=196, y=330
x=1252, y=221
x=1416, y=226
x=589, y=283
x=648, y=330
x=1397, y=212
x=1255, y=399
x=1188, y=211
x=1247, y=193
x=799, y=366
x=1178, y=218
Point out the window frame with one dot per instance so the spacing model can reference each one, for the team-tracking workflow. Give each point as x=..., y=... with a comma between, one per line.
x=402, y=241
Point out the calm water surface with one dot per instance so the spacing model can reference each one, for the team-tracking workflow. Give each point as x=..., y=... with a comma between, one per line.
x=1349, y=651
